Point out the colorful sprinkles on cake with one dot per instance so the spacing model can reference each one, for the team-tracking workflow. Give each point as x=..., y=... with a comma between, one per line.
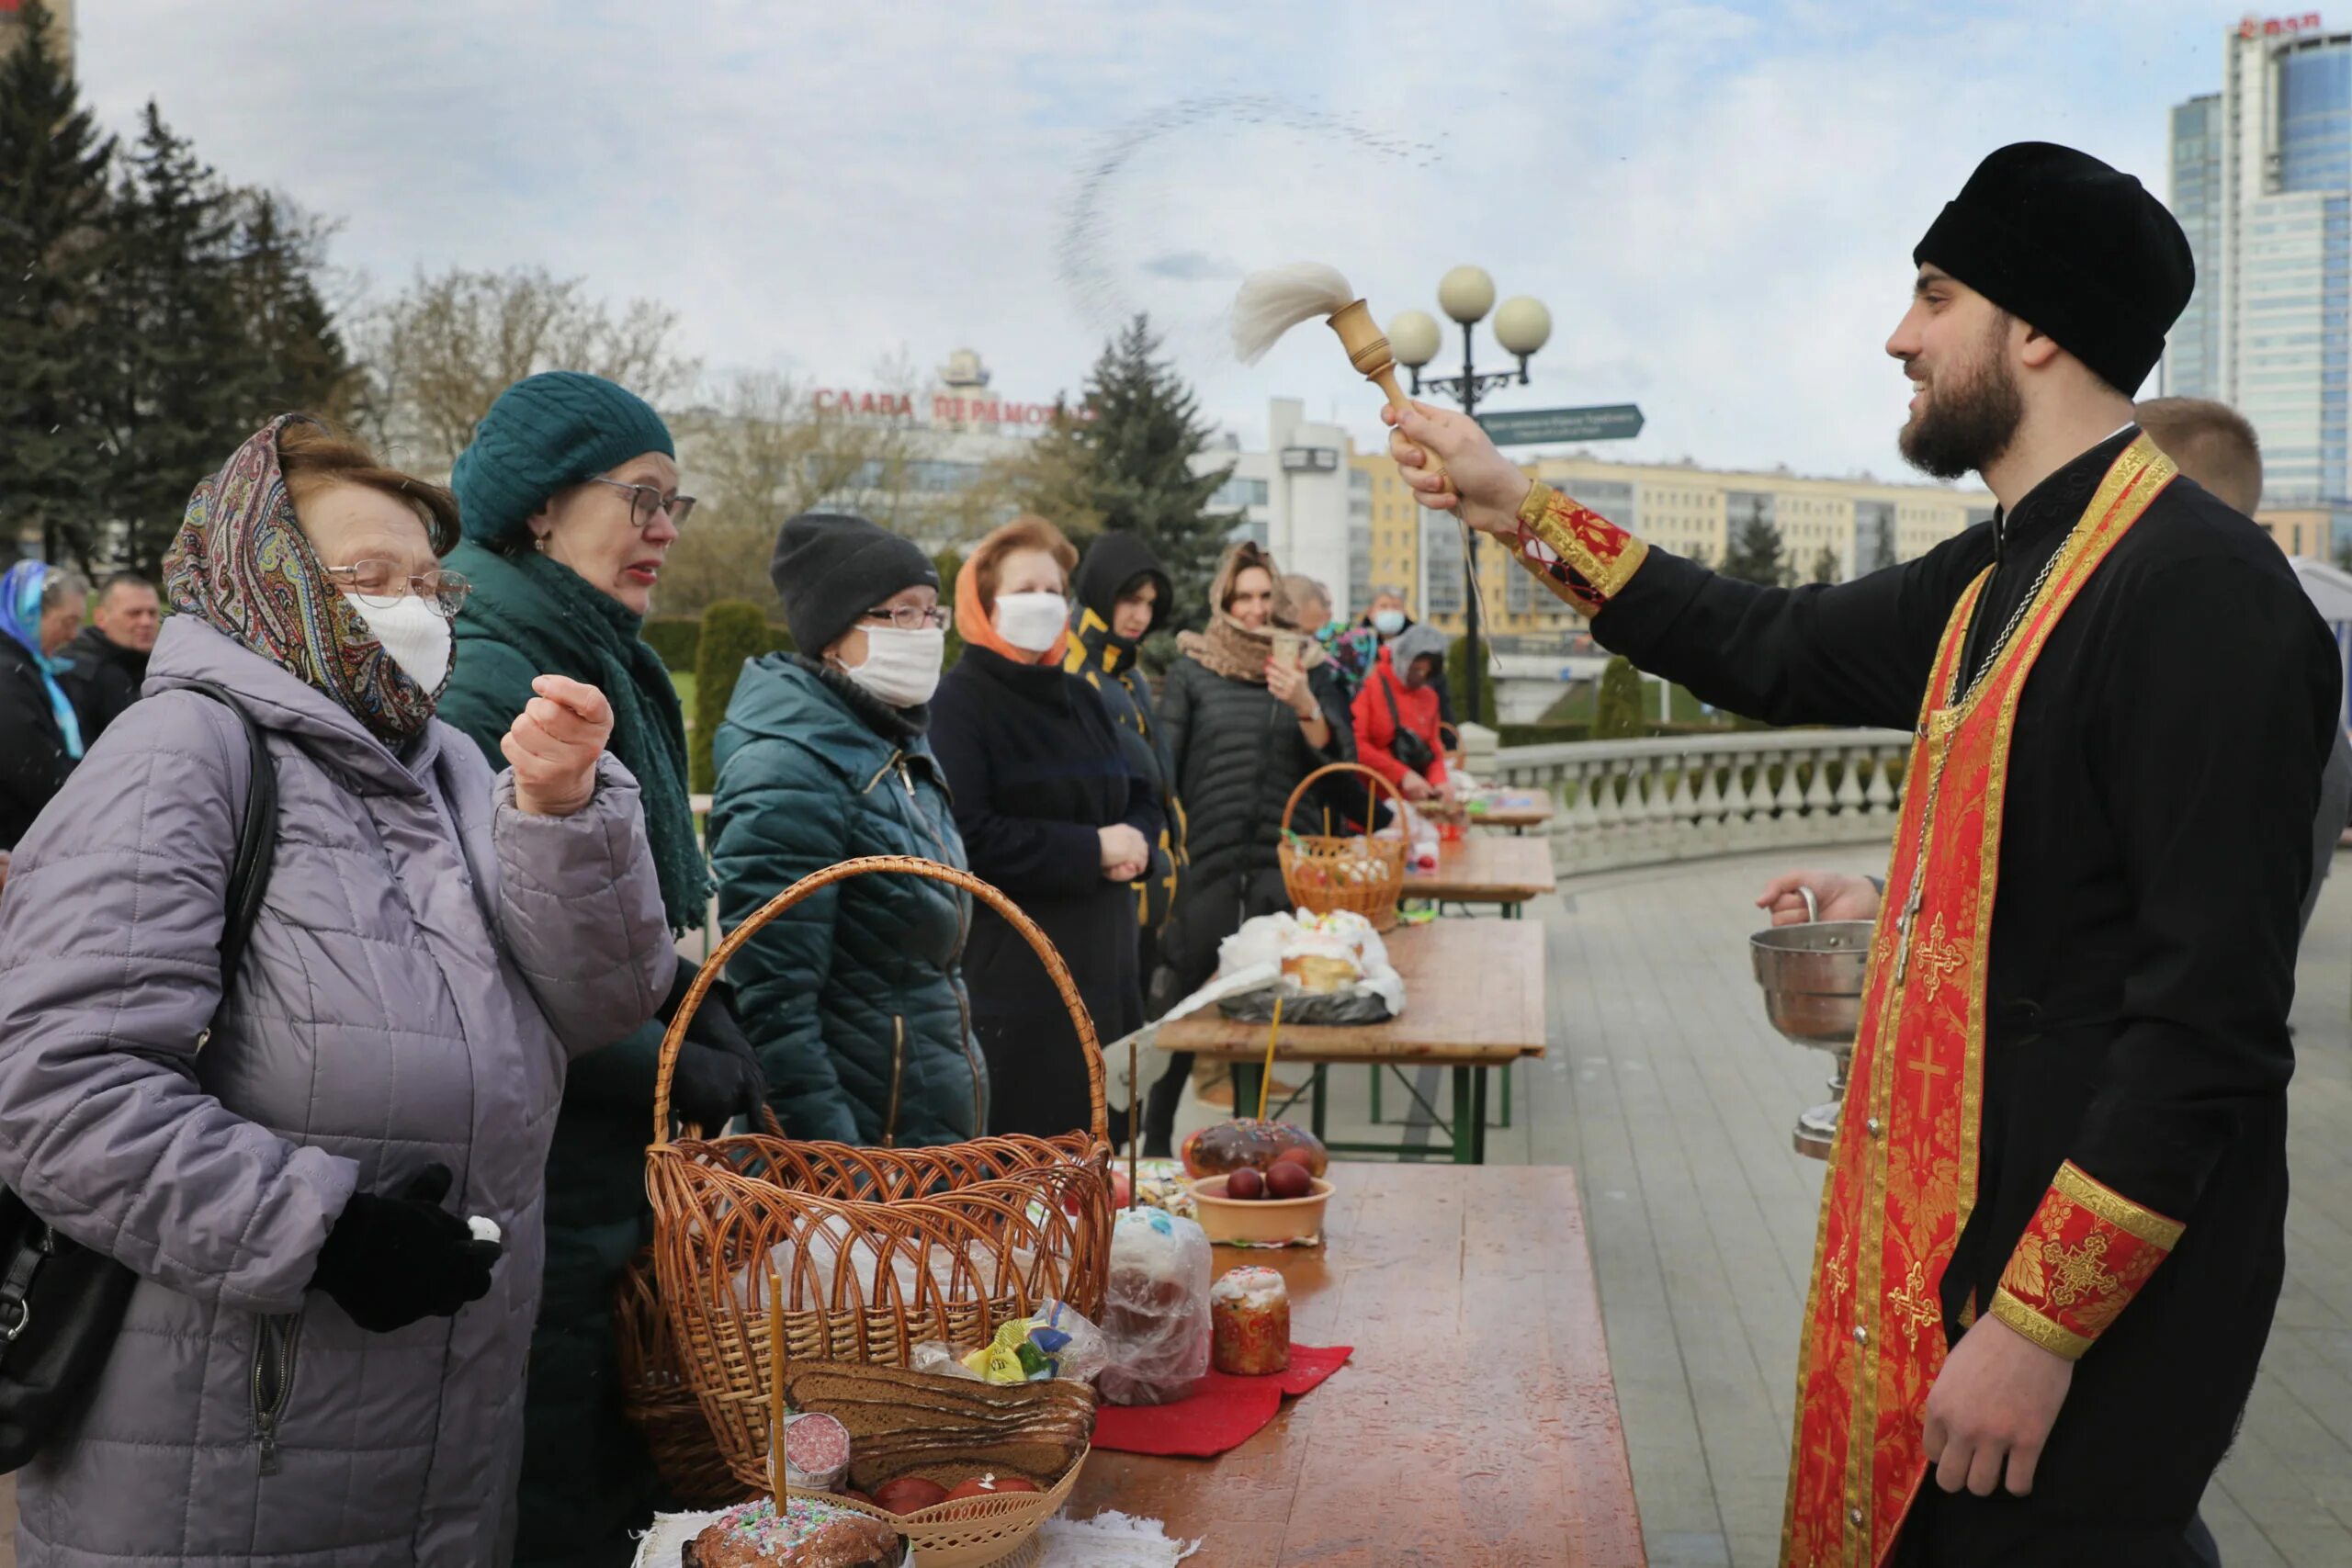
x=760, y=1524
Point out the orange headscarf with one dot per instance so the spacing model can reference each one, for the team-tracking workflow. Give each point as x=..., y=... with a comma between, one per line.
x=973, y=622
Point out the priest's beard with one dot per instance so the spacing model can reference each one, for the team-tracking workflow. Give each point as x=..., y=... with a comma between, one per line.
x=1970, y=415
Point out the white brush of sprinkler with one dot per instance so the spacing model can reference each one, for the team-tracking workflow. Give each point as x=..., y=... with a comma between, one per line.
x=1272, y=301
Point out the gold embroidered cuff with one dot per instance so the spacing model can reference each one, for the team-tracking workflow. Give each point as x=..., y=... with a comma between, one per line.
x=1581, y=556
x=2080, y=1262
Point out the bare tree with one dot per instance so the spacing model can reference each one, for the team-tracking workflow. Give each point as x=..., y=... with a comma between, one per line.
x=439, y=354
x=763, y=451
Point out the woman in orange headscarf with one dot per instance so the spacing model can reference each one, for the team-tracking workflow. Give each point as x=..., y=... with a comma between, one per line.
x=1052, y=813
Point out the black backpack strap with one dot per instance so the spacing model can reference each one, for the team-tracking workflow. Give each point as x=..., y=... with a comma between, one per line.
x=257, y=839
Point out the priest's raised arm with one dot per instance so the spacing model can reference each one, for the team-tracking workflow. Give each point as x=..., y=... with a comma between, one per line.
x=1848, y=653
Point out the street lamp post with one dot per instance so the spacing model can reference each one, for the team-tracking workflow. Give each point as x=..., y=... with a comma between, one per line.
x=1521, y=327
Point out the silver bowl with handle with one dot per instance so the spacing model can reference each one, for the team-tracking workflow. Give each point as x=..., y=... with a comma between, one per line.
x=1812, y=975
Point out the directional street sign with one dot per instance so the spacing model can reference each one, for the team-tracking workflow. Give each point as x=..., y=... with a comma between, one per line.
x=1607, y=422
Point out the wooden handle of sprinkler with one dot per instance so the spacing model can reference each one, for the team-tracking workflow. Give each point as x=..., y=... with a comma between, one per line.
x=1387, y=381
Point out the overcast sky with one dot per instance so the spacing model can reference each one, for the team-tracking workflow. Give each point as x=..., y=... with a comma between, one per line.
x=1716, y=201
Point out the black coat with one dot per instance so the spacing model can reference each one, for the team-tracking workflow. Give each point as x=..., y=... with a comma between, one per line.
x=1239, y=752
x=101, y=678
x=2161, y=786
x=33, y=759
x=1034, y=767
x=1114, y=562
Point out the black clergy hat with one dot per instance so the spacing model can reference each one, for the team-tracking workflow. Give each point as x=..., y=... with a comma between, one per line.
x=2076, y=248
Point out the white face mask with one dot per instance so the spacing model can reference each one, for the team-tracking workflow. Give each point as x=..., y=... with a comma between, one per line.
x=1388, y=623
x=902, y=667
x=1032, y=621
x=414, y=634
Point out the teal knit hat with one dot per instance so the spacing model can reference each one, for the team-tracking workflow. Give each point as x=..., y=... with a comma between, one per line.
x=546, y=431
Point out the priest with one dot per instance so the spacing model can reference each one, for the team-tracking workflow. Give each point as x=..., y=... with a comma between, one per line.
x=2052, y=1231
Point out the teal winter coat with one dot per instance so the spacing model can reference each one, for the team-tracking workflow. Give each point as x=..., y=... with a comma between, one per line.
x=853, y=997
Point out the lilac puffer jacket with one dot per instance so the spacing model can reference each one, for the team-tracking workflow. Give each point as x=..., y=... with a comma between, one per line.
x=427, y=959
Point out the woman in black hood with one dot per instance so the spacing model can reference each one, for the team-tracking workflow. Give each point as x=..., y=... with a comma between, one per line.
x=1122, y=595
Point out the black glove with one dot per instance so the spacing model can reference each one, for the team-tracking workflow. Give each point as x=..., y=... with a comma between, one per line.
x=718, y=1075
x=389, y=1261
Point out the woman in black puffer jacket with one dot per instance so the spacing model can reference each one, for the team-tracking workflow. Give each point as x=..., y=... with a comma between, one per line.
x=1243, y=728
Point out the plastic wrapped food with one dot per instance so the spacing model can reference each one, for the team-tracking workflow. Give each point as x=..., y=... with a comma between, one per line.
x=1155, y=1313
x=1161, y=1184
x=1057, y=1341
x=1228, y=1146
x=1249, y=1315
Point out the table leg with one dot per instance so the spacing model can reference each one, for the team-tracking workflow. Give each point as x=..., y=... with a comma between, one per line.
x=1315, y=1117
x=1504, y=1119
x=1478, y=1115
x=1376, y=1075
x=1246, y=1075
x=1465, y=1124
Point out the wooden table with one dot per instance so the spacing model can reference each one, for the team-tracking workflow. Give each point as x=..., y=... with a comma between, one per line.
x=1473, y=999
x=1486, y=868
x=1476, y=1425
x=1533, y=810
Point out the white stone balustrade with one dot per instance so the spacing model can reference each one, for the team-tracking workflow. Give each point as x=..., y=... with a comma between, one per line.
x=1626, y=803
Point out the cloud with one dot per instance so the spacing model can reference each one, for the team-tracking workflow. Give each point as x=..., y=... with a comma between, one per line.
x=1191, y=266
x=1717, y=201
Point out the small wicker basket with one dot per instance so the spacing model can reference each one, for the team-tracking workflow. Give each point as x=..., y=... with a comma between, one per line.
x=658, y=1399
x=869, y=1251
x=1356, y=872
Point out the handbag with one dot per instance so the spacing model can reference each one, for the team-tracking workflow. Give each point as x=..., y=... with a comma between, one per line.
x=61, y=1303
x=1405, y=745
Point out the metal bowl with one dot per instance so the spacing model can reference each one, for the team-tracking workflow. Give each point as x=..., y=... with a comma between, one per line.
x=1811, y=977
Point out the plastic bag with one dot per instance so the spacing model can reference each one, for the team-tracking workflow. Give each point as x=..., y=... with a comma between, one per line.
x=1156, y=1313
x=1056, y=1341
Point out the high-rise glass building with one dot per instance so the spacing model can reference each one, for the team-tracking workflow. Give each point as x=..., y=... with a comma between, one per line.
x=2261, y=177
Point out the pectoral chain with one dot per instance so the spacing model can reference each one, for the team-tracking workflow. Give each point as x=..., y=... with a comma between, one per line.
x=1906, y=923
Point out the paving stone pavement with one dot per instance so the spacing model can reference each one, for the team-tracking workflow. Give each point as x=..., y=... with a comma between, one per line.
x=1668, y=1091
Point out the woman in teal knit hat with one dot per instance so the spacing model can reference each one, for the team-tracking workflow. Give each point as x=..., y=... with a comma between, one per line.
x=568, y=501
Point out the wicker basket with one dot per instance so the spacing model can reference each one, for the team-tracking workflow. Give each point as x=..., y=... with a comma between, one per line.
x=657, y=1397
x=872, y=1251
x=970, y=1532
x=1356, y=872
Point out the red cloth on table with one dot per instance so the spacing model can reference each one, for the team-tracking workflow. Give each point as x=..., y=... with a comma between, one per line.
x=1226, y=1412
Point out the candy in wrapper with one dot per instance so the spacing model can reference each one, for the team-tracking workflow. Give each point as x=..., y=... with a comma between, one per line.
x=1249, y=1320
x=816, y=1451
x=1059, y=1342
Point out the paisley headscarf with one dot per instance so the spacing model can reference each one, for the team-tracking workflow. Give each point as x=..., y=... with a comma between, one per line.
x=243, y=565
x=20, y=593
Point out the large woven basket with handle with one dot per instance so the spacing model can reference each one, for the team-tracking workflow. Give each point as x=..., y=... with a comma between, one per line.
x=1356, y=872
x=875, y=1250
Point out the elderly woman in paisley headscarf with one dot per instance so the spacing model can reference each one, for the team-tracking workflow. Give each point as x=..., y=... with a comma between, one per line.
x=322, y=1361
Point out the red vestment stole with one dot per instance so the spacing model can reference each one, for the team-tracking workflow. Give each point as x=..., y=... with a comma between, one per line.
x=1903, y=1176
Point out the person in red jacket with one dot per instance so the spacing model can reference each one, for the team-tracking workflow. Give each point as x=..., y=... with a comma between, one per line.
x=1397, y=714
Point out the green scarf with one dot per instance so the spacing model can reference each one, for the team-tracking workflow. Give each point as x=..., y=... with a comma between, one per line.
x=548, y=614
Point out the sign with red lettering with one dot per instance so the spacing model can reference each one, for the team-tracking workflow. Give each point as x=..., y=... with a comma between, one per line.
x=2279, y=27
x=944, y=408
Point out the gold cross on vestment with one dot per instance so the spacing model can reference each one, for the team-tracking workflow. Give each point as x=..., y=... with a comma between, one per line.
x=1942, y=957
x=1928, y=1071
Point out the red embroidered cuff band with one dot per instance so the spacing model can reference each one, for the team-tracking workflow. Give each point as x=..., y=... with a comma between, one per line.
x=2080, y=1262
x=1579, y=555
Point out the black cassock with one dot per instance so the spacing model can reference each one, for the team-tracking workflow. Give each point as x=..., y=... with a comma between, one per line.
x=2155, y=850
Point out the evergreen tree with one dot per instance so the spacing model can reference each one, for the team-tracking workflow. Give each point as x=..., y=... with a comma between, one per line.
x=53, y=205
x=276, y=265
x=178, y=355
x=1619, y=712
x=1883, y=552
x=947, y=563
x=1825, y=566
x=1755, y=555
x=1130, y=465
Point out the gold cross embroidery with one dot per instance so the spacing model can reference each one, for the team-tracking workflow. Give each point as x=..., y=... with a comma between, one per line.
x=1928, y=1071
x=1912, y=1301
x=1941, y=957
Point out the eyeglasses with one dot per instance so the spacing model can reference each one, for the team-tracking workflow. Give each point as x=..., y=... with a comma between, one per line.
x=644, y=501
x=912, y=618
x=380, y=584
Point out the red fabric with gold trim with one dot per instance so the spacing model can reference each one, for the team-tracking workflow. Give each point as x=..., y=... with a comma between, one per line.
x=1581, y=556
x=2080, y=1262
x=1902, y=1180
